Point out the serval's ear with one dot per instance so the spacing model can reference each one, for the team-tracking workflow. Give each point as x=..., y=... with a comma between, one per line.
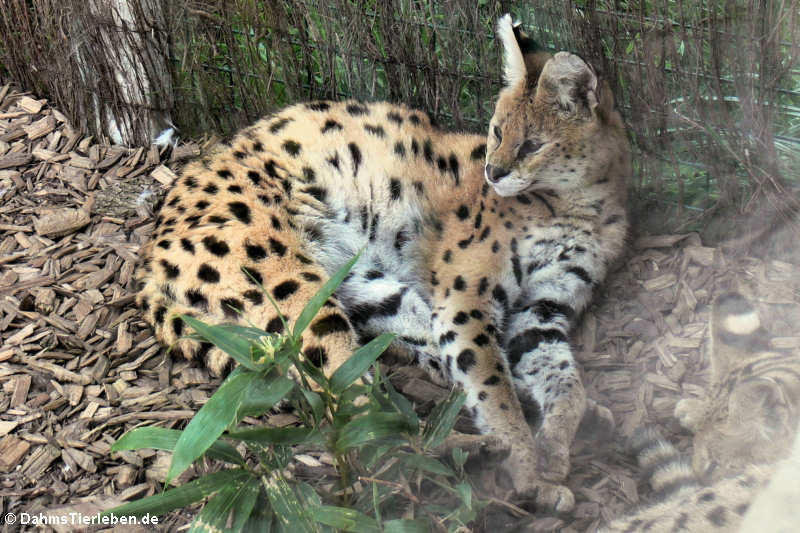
x=570, y=85
x=522, y=57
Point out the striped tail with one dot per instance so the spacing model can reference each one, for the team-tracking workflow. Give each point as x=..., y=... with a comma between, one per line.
x=668, y=472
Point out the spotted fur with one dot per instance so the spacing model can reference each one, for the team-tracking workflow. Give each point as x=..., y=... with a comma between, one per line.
x=742, y=431
x=480, y=280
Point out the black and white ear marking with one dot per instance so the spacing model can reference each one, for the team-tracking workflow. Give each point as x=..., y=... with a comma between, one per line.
x=513, y=60
x=571, y=82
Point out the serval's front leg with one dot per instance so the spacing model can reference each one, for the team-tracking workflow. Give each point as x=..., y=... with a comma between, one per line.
x=467, y=339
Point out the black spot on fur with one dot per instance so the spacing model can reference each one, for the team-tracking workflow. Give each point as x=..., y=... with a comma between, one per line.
x=718, y=516
x=460, y=284
x=357, y=109
x=399, y=149
x=400, y=240
x=202, y=204
x=291, y=147
x=483, y=285
x=375, y=130
x=478, y=153
x=254, y=177
x=320, y=193
x=230, y=307
x=546, y=310
x=329, y=325
x=197, y=299
x=448, y=256
x=177, y=326
x=461, y=318
x=499, y=294
x=373, y=274
x=318, y=106
x=494, y=379
x=581, y=273
x=187, y=245
x=158, y=316
x=208, y=273
x=395, y=189
x=414, y=147
x=240, y=211
x=190, y=182
x=255, y=252
x=427, y=151
x=258, y=147
x=355, y=155
x=274, y=326
x=285, y=289
x=224, y=173
x=465, y=242
x=215, y=219
x=331, y=125
x=447, y=338
x=481, y=340
x=278, y=125
x=419, y=188
x=252, y=276
x=389, y=306
x=165, y=244
x=239, y=155
x=303, y=259
x=216, y=247
x=277, y=247
x=170, y=270
x=317, y=356
x=255, y=297
x=394, y=117
x=310, y=276
x=441, y=162
x=530, y=340
x=462, y=212
x=466, y=360
x=210, y=189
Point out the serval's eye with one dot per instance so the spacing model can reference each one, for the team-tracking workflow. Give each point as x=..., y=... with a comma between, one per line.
x=527, y=148
x=498, y=134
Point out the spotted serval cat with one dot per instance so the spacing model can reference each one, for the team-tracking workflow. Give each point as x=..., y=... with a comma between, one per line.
x=478, y=254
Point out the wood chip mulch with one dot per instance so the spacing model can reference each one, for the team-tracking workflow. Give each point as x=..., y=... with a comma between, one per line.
x=78, y=367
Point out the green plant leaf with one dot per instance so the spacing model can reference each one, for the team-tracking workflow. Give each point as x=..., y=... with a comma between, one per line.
x=288, y=510
x=194, y=491
x=166, y=439
x=344, y=519
x=236, y=346
x=465, y=493
x=428, y=464
x=239, y=498
x=419, y=525
x=371, y=427
x=359, y=362
x=318, y=300
x=288, y=436
x=315, y=402
x=402, y=404
x=263, y=394
x=442, y=419
x=261, y=517
x=210, y=421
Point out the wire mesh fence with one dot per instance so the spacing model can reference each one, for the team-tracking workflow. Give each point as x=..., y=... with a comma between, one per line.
x=710, y=90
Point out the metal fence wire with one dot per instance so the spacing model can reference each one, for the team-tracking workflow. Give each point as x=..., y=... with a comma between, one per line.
x=710, y=90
